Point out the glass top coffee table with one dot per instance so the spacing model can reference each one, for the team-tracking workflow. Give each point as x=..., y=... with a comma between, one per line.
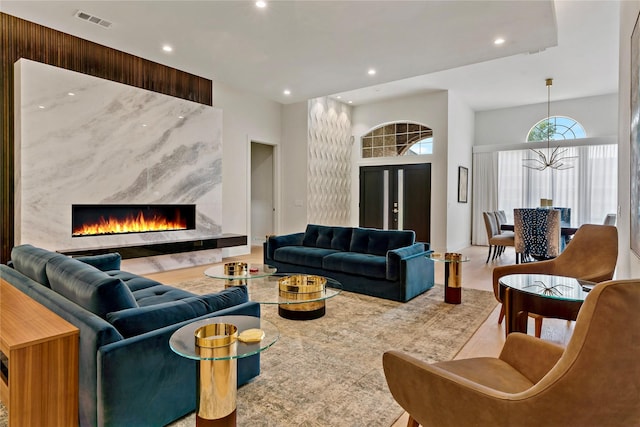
x=550, y=296
x=299, y=296
x=239, y=272
x=216, y=343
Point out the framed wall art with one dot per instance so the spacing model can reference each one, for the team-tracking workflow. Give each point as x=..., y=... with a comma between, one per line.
x=463, y=184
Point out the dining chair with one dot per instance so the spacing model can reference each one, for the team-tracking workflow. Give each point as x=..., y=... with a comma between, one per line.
x=610, y=219
x=536, y=233
x=497, y=241
x=565, y=221
x=501, y=218
x=591, y=255
x=593, y=381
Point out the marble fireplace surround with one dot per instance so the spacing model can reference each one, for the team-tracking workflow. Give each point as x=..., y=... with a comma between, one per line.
x=86, y=140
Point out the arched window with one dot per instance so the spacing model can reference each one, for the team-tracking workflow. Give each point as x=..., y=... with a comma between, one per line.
x=398, y=139
x=558, y=128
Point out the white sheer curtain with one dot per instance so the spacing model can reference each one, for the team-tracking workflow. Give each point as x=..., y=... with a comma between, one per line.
x=589, y=188
x=485, y=193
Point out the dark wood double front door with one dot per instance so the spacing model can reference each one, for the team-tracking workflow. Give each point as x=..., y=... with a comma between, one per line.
x=397, y=197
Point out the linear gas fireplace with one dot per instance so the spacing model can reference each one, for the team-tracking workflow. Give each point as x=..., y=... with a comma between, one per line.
x=95, y=220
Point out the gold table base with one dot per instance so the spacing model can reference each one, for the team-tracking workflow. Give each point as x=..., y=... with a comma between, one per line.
x=217, y=379
x=302, y=287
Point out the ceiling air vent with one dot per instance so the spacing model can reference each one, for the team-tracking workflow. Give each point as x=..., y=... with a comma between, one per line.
x=91, y=18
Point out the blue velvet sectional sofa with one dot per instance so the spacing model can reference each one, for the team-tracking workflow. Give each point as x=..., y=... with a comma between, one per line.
x=382, y=263
x=128, y=375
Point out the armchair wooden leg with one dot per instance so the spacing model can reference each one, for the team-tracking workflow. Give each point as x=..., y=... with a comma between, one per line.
x=412, y=422
x=501, y=315
x=538, y=326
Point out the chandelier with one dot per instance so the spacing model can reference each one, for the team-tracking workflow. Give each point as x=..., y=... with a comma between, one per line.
x=555, y=159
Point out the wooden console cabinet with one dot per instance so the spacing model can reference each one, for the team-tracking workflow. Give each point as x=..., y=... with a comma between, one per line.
x=38, y=362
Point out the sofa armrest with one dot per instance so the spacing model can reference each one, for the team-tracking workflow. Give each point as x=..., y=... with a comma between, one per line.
x=275, y=242
x=396, y=258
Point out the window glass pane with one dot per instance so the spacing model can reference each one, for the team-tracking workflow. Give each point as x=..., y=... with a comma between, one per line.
x=397, y=139
x=556, y=128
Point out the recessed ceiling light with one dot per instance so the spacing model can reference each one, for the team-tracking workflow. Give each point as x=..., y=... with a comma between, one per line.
x=339, y=97
x=181, y=117
x=167, y=48
x=287, y=92
x=498, y=41
x=144, y=125
x=371, y=72
x=41, y=107
x=350, y=102
x=261, y=4
x=71, y=94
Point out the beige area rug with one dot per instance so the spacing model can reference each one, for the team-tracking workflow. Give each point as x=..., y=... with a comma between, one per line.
x=328, y=371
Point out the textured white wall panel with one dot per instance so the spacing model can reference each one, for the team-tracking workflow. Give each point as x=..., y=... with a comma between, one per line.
x=329, y=162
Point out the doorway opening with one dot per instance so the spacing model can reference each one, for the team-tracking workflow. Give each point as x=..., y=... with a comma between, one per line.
x=263, y=192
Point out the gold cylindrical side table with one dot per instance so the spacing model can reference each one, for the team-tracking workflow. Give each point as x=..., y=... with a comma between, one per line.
x=452, y=275
x=216, y=348
x=217, y=372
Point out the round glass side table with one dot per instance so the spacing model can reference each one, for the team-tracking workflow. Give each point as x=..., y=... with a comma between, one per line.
x=452, y=274
x=217, y=343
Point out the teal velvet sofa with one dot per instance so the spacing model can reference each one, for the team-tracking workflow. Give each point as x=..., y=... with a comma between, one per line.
x=382, y=263
x=128, y=375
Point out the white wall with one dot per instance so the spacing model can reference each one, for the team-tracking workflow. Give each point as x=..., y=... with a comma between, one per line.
x=598, y=114
x=246, y=117
x=628, y=262
x=460, y=146
x=429, y=109
x=293, y=207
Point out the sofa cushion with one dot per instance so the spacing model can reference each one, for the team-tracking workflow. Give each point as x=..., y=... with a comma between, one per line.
x=104, y=262
x=136, y=321
x=301, y=255
x=32, y=262
x=356, y=263
x=378, y=242
x=133, y=281
x=159, y=294
x=321, y=236
x=90, y=288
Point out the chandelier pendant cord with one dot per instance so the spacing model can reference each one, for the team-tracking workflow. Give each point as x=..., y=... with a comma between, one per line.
x=550, y=159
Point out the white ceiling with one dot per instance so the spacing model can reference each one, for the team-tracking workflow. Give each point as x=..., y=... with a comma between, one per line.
x=317, y=48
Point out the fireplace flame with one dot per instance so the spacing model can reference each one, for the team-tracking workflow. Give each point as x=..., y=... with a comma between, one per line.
x=137, y=223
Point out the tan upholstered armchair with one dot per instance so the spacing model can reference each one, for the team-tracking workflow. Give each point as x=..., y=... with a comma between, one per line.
x=591, y=255
x=593, y=382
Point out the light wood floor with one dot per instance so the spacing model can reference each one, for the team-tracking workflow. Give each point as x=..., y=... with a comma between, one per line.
x=488, y=339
